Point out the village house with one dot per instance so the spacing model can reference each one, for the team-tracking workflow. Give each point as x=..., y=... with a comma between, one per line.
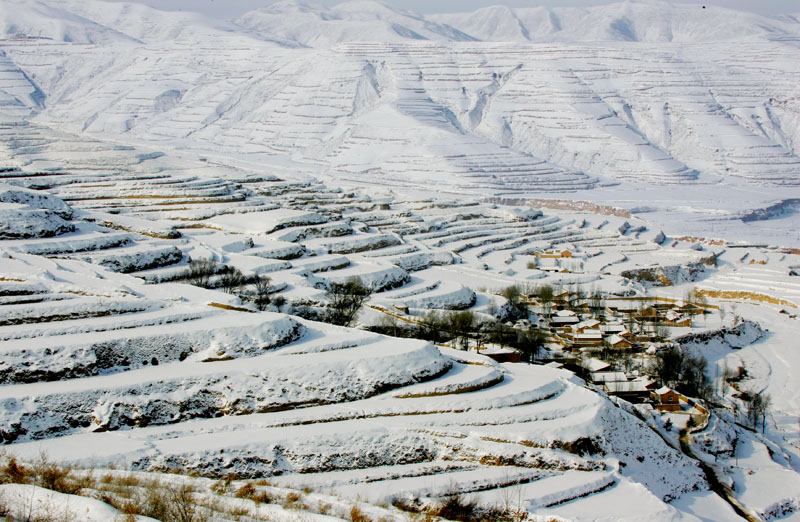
x=666, y=399
x=564, y=319
x=615, y=327
x=674, y=318
x=585, y=334
x=587, y=339
x=587, y=324
x=560, y=299
x=619, y=343
x=553, y=254
x=549, y=264
x=607, y=377
x=636, y=391
x=502, y=355
x=595, y=365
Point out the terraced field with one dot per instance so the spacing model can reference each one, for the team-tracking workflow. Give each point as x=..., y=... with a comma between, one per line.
x=107, y=347
x=179, y=201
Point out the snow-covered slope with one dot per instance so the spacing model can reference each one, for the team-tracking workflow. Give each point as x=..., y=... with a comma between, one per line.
x=52, y=21
x=98, y=22
x=658, y=102
x=631, y=21
x=134, y=141
x=105, y=346
x=357, y=20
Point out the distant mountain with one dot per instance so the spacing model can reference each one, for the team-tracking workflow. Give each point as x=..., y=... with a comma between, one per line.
x=54, y=21
x=358, y=20
x=500, y=101
x=293, y=22
x=99, y=22
x=630, y=21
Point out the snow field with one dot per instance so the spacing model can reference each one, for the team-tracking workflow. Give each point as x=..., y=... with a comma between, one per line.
x=219, y=156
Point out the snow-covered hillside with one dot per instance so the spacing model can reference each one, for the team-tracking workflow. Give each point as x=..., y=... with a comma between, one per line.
x=651, y=21
x=644, y=152
x=107, y=347
x=606, y=102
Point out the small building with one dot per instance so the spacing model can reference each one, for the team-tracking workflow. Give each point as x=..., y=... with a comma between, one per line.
x=502, y=355
x=560, y=299
x=564, y=319
x=553, y=254
x=548, y=264
x=673, y=318
x=401, y=307
x=666, y=399
x=648, y=314
x=588, y=339
x=613, y=328
x=523, y=324
x=617, y=342
x=635, y=391
x=608, y=376
x=585, y=325
x=595, y=365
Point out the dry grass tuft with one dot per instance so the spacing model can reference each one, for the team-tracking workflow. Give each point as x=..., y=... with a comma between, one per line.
x=356, y=515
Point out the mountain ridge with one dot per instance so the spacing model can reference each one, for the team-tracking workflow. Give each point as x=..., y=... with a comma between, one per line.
x=606, y=119
x=302, y=22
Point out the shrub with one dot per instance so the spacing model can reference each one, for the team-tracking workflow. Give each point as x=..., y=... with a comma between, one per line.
x=53, y=476
x=199, y=272
x=292, y=499
x=262, y=290
x=14, y=472
x=183, y=506
x=156, y=504
x=345, y=301
x=457, y=507
x=246, y=491
x=232, y=280
x=356, y=515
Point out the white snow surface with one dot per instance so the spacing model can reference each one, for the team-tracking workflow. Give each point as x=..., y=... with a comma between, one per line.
x=650, y=110
x=432, y=157
x=25, y=502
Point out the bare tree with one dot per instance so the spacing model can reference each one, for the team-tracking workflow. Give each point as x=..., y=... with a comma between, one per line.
x=690, y=304
x=667, y=366
x=545, y=295
x=576, y=296
x=500, y=333
x=758, y=408
x=262, y=291
x=531, y=342
x=345, y=301
x=735, y=319
x=661, y=331
x=199, y=272
x=597, y=304
x=626, y=362
x=431, y=326
x=391, y=325
x=517, y=307
x=232, y=280
x=460, y=326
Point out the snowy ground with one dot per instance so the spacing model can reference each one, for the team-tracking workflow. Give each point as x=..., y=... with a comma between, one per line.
x=317, y=164
x=140, y=372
